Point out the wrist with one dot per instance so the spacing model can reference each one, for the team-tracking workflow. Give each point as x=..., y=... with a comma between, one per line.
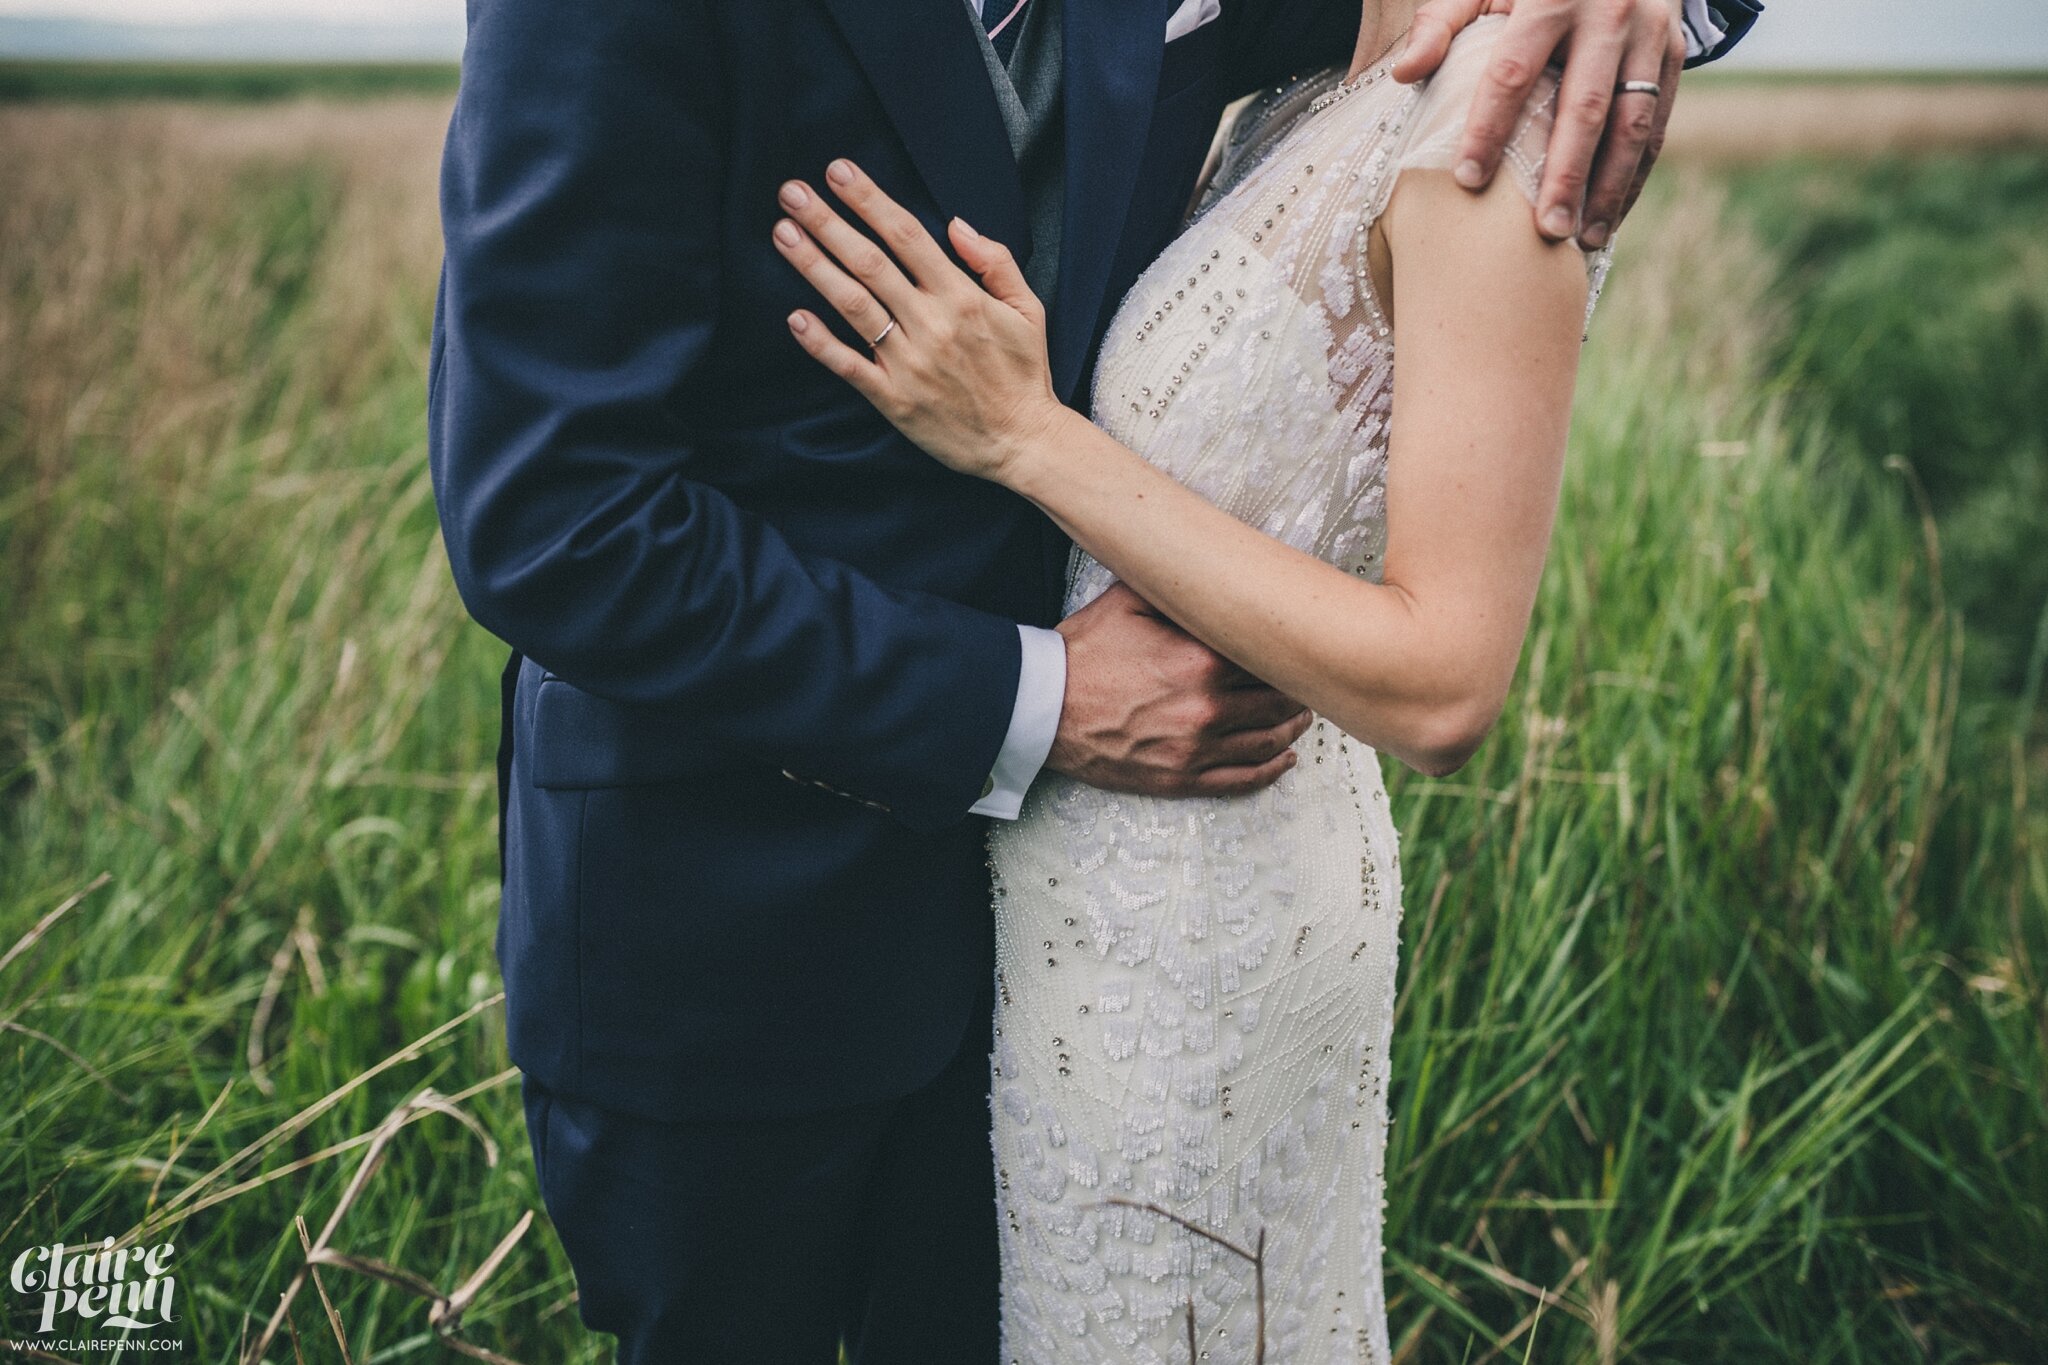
x=1035, y=443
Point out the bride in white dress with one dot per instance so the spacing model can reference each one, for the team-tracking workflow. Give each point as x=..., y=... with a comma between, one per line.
x=1195, y=996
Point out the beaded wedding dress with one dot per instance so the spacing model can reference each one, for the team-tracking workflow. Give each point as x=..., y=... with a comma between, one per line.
x=1195, y=997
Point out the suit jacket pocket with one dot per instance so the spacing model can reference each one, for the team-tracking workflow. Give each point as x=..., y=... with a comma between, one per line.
x=575, y=740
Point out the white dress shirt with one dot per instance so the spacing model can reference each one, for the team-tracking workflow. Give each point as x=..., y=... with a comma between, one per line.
x=1704, y=27
x=1033, y=723
x=1034, y=720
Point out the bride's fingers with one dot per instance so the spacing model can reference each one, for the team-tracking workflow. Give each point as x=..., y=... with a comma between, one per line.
x=992, y=261
x=848, y=296
x=835, y=355
x=854, y=253
x=895, y=225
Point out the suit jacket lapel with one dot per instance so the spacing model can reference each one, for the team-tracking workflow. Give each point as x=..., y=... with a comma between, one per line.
x=1111, y=74
x=925, y=64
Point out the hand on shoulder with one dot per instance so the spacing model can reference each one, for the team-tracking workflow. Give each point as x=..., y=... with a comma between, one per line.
x=1615, y=98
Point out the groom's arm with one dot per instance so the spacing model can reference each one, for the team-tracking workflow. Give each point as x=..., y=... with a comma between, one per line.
x=580, y=203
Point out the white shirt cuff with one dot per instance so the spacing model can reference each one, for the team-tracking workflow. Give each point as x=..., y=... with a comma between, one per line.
x=1703, y=30
x=1034, y=721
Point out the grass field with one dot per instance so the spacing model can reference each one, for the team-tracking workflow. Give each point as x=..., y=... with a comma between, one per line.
x=1722, y=1031
x=24, y=81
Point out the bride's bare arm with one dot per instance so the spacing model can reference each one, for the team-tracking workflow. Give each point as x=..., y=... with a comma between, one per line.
x=1487, y=321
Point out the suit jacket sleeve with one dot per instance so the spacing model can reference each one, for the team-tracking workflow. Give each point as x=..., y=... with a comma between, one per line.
x=581, y=189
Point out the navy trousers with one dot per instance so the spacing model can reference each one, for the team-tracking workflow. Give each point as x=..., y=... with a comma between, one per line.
x=771, y=1241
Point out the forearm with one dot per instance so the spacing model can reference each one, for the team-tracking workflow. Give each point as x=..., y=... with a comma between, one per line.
x=1376, y=660
x=1488, y=318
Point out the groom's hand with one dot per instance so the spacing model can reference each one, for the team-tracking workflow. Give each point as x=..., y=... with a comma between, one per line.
x=1604, y=142
x=1151, y=709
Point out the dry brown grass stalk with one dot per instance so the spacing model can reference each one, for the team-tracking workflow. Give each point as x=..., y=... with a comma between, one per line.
x=1256, y=1254
x=299, y=943
x=328, y=1153
x=42, y=926
x=99, y=1077
x=444, y=1311
x=320, y=1288
x=188, y=1202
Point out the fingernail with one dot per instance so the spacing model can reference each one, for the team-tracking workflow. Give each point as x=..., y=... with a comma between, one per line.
x=965, y=227
x=1557, y=221
x=1469, y=174
x=840, y=172
x=799, y=323
x=793, y=195
x=786, y=233
x=1595, y=235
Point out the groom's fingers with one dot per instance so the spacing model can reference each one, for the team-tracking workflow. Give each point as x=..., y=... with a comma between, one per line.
x=1674, y=66
x=1585, y=98
x=1252, y=708
x=1249, y=748
x=1520, y=54
x=1636, y=119
x=853, y=251
x=1240, y=780
x=1429, y=37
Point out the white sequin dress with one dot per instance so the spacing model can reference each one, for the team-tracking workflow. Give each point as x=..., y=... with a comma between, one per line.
x=1195, y=997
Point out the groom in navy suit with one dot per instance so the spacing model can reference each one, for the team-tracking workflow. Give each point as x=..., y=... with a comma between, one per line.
x=773, y=668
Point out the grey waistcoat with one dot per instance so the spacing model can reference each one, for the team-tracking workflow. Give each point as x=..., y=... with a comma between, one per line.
x=1028, y=93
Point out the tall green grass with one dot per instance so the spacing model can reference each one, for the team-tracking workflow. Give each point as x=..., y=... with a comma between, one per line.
x=1918, y=295
x=1745, y=892
x=1721, y=1025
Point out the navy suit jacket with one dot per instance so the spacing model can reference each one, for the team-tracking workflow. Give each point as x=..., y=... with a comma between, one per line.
x=765, y=651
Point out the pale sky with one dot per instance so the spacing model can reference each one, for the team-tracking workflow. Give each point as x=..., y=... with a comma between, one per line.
x=1885, y=33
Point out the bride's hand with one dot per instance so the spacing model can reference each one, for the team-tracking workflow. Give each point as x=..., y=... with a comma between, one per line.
x=961, y=366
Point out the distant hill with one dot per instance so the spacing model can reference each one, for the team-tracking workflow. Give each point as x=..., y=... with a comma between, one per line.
x=240, y=40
